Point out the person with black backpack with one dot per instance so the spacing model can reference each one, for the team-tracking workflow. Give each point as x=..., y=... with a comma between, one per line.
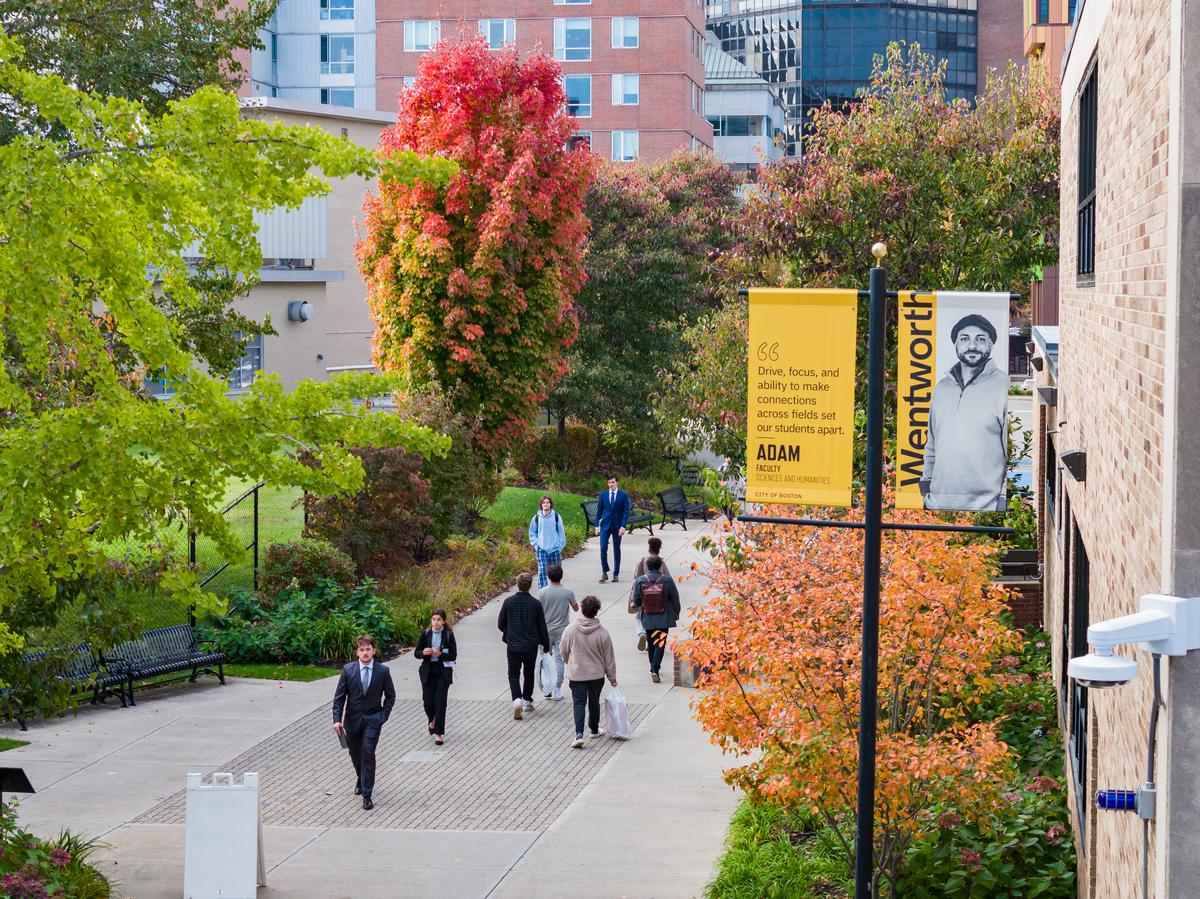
x=548, y=538
x=657, y=595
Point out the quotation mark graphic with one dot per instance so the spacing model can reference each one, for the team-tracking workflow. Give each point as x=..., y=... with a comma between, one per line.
x=768, y=352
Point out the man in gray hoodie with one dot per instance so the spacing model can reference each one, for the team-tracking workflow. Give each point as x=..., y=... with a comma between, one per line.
x=966, y=451
x=588, y=651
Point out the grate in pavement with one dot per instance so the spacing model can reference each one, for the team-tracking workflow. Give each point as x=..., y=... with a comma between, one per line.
x=493, y=773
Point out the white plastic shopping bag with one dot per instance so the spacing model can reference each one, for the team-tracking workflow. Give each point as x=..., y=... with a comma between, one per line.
x=548, y=674
x=616, y=715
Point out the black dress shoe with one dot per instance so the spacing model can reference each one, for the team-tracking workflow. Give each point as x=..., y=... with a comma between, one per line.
x=367, y=803
x=357, y=790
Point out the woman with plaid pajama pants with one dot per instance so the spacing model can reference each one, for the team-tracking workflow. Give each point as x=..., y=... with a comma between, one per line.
x=547, y=537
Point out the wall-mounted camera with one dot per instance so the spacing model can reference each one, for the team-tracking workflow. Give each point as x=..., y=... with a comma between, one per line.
x=1168, y=625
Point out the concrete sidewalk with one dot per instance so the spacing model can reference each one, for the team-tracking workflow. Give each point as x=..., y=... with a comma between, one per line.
x=505, y=808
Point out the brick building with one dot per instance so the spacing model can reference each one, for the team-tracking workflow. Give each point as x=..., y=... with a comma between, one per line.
x=634, y=71
x=1118, y=444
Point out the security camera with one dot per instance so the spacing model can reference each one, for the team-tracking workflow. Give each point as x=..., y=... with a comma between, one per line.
x=1168, y=625
x=1102, y=669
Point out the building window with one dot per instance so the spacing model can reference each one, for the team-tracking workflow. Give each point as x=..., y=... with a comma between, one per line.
x=409, y=80
x=1077, y=745
x=247, y=370
x=1086, y=261
x=572, y=40
x=499, y=32
x=337, y=9
x=625, y=32
x=337, y=96
x=738, y=125
x=580, y=139
x=1071, y=12
x=571, y=2
x=160, y=387
x=626, y=90
x=421, y=34
x=579, y=95
x=337, y=54
x=1043, y=11
x=624, y=146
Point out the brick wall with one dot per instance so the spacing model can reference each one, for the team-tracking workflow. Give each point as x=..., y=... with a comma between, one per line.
x=1001, y=36
x=667, y=60
x=1111, y=393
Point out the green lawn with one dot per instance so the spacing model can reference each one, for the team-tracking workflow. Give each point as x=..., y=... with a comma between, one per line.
x=279, y=672
x=515, y=507
x=6, y=744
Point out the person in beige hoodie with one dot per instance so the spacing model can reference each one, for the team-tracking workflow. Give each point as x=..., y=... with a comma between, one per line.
x=587, y=651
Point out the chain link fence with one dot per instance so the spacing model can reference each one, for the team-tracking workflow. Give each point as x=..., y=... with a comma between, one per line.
x=258, y=517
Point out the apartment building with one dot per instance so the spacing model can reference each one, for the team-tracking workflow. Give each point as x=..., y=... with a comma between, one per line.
x=317, y=51
x=744, y=111
x=633, y=71
x=1118, y=437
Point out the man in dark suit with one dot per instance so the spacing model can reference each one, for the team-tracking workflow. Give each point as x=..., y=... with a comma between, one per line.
x=366, y=695
x=612, y=515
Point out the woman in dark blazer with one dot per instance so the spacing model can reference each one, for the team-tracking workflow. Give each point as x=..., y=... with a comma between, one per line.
x=437, y=653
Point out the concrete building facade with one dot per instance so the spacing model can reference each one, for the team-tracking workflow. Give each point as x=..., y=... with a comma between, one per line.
x=309, y=283
x=1118, y=437
x=633, y=70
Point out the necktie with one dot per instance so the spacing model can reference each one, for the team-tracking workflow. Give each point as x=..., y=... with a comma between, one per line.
x=366, y=677
x=612, y=497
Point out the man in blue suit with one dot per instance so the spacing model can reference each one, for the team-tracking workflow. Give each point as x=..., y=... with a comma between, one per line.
x=362, y=703
x=611, y=517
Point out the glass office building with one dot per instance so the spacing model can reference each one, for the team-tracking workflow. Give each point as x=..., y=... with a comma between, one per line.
x=820, y=50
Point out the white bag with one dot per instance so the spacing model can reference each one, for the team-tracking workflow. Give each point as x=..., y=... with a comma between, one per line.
x=616, y=715
x=548, y=674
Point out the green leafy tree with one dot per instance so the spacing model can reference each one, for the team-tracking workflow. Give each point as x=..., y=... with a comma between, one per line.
x=966, y=198
x=93, y=225
x=657, y=259
x=472, y=283
x=152, y=51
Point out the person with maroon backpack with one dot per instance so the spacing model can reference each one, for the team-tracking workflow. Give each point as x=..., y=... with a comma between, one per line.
x=658, y=598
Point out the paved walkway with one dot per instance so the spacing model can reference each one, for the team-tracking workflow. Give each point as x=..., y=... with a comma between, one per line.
x=504, y=809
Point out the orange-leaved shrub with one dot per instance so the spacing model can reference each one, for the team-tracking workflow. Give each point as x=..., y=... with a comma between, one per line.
x=778, y=651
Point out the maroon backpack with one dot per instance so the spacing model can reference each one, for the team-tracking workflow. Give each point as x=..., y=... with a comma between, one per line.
x=653, y=600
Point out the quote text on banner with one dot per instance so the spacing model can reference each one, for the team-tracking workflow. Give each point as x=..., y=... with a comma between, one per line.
x=800, y=396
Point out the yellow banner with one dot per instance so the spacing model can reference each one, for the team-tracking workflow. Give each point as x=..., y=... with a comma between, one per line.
x=800, y=397
x=952, y=401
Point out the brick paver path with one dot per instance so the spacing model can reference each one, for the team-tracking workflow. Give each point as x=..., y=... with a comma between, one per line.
x=493, y=773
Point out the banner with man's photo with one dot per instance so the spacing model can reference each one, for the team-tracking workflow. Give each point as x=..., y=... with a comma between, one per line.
x=952, y=411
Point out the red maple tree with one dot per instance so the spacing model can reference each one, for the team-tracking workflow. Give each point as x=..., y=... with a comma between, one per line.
x=471, y=283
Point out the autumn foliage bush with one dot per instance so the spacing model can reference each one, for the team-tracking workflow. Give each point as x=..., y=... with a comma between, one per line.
x=779, y=649
x=383, y=524
x=471, y=284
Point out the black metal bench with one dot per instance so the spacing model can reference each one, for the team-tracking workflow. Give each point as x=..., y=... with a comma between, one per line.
x=677, y=508
x=165, y=650
x=84, y=671
x=636, y=519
